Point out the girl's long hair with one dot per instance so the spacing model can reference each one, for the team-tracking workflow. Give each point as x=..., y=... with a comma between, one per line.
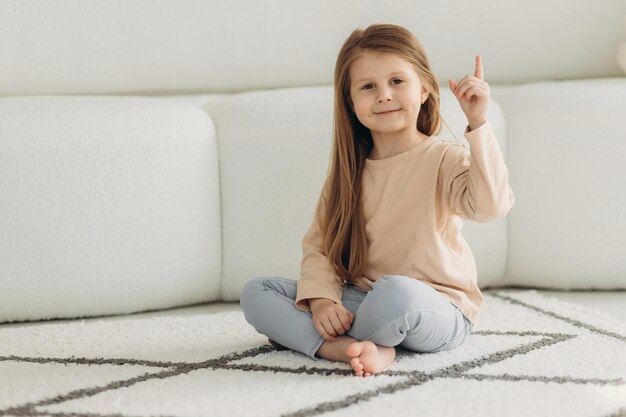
x=343, y=221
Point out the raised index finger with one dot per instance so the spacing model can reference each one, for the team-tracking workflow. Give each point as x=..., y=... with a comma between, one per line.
x=479, y=67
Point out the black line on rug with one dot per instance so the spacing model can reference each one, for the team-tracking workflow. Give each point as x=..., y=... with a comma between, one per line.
x=33, y=413
x=622, y=411
x=418, y=378
x=413, y=377
x=349, y=400
x=93, y=361
x=556, y=379
x=574, y=322
x=180, y=368
x=281, y=369
x=28, y=409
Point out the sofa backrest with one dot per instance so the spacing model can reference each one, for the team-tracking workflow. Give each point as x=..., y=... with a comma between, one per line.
x=566, y=155
x=147, y=47
x=108, y=205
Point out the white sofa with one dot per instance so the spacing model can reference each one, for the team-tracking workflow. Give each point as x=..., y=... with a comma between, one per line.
x=158, y=154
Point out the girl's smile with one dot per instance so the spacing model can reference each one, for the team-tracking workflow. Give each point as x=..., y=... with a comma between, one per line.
x=385, y=112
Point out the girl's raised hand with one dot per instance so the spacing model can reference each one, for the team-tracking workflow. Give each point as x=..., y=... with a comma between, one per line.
x=473, y=95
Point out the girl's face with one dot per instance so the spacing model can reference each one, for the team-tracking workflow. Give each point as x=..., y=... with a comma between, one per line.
x=386, y=93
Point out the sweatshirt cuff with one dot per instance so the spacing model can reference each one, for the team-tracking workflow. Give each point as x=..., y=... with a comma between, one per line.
x=305, y=291
x=479, y=131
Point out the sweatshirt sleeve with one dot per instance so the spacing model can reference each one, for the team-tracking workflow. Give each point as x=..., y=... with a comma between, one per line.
x=317, y=276
x=475, y=184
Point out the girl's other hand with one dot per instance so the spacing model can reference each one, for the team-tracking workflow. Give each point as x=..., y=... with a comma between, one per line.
x=472, y=92
x=330, y=319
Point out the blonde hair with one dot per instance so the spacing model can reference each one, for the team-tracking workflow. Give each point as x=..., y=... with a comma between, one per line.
x=343, y=221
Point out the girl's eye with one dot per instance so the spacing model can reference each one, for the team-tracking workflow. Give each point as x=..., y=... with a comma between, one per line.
x=369, y=86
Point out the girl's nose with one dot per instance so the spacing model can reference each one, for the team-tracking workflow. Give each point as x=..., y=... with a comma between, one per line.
x=384, y=95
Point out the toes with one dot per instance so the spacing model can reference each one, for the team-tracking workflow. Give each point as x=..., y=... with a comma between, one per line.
x=356, y=363
x=358, y=368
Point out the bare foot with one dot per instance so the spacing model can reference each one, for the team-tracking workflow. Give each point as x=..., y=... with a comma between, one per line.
x=368, y=358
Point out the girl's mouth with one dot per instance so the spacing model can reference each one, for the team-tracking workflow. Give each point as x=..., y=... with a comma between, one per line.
x=388, y=112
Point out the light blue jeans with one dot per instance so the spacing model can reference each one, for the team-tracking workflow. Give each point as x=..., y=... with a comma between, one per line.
x=398, y=311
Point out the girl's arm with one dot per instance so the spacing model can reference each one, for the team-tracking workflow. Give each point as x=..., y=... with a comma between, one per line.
x=317, y=276
x=474, y=184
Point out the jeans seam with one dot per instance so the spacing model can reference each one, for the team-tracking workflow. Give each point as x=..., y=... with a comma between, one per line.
x=266, y=279
x=312, y=351
x=462, y=335
x=393, y=321
x=274, y=291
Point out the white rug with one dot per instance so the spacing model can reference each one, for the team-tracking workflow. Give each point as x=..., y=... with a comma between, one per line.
x=528, y=356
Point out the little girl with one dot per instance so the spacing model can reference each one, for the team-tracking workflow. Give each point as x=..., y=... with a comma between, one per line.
x=384, y=262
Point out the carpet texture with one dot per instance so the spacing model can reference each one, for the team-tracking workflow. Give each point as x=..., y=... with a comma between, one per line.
x=529, y=355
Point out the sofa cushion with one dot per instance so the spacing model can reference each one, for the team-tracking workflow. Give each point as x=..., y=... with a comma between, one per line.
x=566, y=159
x=109, y=205
x=274, y=155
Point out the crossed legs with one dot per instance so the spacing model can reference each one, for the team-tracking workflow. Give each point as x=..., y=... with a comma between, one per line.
x=398, y=311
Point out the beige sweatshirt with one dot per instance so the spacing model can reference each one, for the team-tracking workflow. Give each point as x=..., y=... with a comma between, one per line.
x=413, y=203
